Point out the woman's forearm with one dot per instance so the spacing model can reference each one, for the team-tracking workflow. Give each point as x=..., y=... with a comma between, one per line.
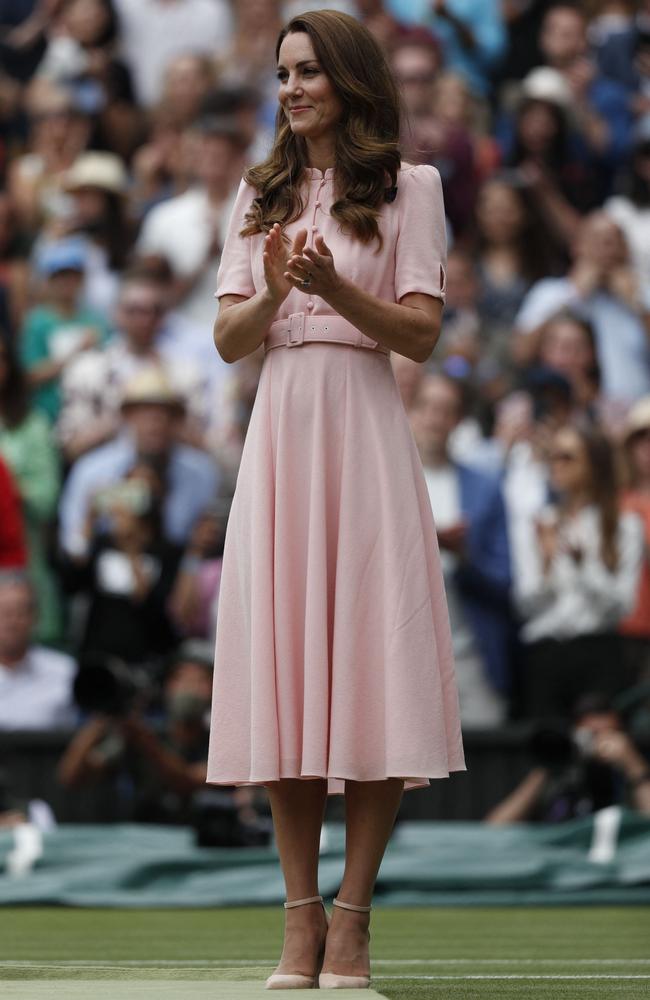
x=241, y=327
x=404, y=329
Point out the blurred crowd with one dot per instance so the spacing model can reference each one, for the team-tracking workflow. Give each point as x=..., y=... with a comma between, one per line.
x=125, y=126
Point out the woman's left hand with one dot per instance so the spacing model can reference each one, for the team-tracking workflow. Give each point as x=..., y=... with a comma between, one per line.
x=315, y=266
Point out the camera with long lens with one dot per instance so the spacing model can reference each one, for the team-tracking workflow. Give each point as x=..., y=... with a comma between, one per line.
x=217, y=821
x=107, y=685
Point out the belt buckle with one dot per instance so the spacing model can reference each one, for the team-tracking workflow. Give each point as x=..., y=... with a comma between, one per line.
x=296, y=331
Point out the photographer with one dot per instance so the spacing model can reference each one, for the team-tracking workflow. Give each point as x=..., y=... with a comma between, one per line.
x=593, y=765
x=129, y=570
x=166, y=764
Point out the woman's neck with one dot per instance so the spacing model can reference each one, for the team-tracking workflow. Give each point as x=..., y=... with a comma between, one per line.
x=320, y=152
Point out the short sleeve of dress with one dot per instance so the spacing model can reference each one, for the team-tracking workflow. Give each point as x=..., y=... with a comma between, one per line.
x=235, y=276
x=421, y=248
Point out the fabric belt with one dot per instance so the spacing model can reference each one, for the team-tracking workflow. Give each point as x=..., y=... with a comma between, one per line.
x=300, y=328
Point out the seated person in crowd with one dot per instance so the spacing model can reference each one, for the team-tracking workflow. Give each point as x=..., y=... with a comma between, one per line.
x=12, y=539
x=35, y=682
x=194, y=601
x=603, y=288
x=93, y=382
x=470, y=517
x=576, y=571
x=128, y=571
x=592, y=766
x=60, y=327
x=152, y=414
x=167, y=764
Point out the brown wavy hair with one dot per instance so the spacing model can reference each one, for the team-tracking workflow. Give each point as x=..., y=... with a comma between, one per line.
x=601, y=459
x=367, y=138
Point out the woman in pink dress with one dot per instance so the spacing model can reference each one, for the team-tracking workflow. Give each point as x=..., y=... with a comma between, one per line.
x=333, y=663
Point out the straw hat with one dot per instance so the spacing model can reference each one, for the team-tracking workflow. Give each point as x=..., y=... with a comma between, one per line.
x=638, y=418
x=97, y=170
x=151, y=385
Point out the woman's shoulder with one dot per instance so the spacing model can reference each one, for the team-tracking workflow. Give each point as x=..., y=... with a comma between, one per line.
x=419, y=171
x=418, y=180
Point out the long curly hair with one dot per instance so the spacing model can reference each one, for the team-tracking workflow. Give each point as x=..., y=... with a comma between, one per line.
x=367, y=137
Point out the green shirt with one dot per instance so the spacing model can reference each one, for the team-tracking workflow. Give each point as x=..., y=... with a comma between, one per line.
x=48, y=336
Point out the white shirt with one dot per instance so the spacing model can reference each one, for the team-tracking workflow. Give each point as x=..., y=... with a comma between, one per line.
x=575, y=598
x=154, y=31
x=181, y=229
x=37, y=693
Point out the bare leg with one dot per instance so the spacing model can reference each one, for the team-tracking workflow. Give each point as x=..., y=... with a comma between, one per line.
x=371, y=808
x=298, y=808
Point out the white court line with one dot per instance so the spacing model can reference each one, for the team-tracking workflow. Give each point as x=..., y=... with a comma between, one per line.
x=500, y=978
x=216, y=963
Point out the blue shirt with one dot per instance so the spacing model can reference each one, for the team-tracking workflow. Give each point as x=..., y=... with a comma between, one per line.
x=192, y=485
x=482, y=17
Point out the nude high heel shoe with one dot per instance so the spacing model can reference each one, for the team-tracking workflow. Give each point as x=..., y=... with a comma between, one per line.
x=329, y=980
x=295, y=981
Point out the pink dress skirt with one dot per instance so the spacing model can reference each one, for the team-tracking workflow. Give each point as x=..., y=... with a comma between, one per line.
x=333, y=653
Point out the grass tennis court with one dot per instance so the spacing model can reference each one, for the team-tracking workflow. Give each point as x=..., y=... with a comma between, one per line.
x=458, y=954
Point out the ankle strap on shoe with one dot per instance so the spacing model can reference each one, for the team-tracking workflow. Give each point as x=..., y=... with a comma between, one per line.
x=301, y=902
x=351, y=906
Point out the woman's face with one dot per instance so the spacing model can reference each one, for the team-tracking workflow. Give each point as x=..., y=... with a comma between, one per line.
x=86, y=21
x=566, y=347
x=306, y=93
x=499, y=213
x=568, y=463
x=537, y=128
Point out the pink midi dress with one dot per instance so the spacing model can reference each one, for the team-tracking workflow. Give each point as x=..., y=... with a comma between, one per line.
x=333, y=653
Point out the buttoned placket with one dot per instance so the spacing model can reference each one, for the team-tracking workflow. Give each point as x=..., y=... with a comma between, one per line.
x=314, y=230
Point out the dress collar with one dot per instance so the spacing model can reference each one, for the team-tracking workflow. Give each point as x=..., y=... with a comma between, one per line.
x=319, y=175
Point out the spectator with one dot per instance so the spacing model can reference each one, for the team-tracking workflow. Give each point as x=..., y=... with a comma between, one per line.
x=12, y=545
x=195, y=599
x=636, y=626
x=35, y=682
x=630, y=208
x=471, y=34
x=576, y=575
x=128, y=570
x=470, y=519
x=97, y=184
x=514, y=250
x=541, y=142
x=599, y=105
x=59, y=328
x=602, y=287
x=14, y=270
x=27, y=445
x=93, y=383
x=154, y=31
x=594, y=766
x=189, y=78
x=189, y=230
x=59, y=132
x=152, y=410
x=567, y=344
x=428, y=136
x=167, y=767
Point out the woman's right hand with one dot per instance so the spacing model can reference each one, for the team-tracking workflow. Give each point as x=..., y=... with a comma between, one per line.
x=275, y=256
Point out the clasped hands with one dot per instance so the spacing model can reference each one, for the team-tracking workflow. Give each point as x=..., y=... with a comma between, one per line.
x=310, y=270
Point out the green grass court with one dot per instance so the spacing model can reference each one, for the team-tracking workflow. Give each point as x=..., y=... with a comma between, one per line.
x=458, y=954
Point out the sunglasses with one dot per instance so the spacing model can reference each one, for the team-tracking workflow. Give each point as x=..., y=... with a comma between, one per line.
x=643, y=434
